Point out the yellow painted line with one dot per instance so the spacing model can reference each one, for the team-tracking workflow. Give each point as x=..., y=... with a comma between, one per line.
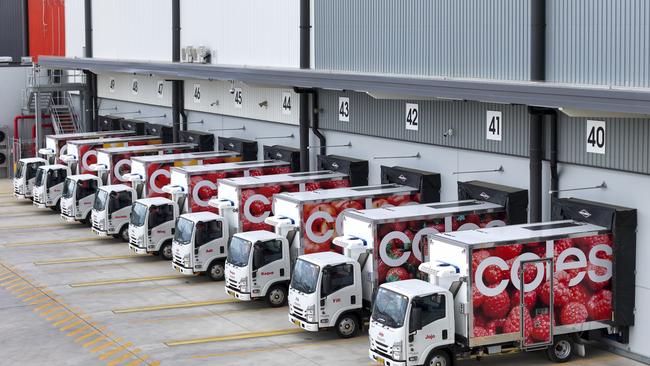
x=44, y=306
x=50, y=311
x=89, y=334
x=64, y=320
x=102, y=347
x=84, y=259
x=115, y=351
x=78, y=330
x=66, y=241
x=124, y=357
x=7, y=277
x=32, y=227
x=21, y=289
x=138, y=361
x=40, y=300
x=175, y=306
x=234, y=337
x=126, y=280
x=23, y=294
x=34, y=297
x=15, y=285
x=4, y=284
x=57, y=315
x=94, y=341
x=71, y=325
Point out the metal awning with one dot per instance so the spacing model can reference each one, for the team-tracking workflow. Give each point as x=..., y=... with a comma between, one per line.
x=541, y=94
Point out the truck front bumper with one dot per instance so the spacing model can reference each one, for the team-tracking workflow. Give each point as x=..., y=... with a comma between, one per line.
x=383, y=359
x=67, y=218
x=183, y=270
x=100, y=232
x=137, y=250
x=20, y=195
x=39, y=204
x=312, y=327
x=243, y=296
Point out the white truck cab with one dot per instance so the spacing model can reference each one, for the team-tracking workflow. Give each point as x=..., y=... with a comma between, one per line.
x=112, y=209
x=152, y=226
x=258, y=267
x=412, y=322
x=25, y=177
x=48, y=186
x=78, y=197
x=200, y=244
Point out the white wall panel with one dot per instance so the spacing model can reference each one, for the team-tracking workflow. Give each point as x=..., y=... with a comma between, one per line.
x=75, y=26
x=147, y=89
x=244, y=32
x=132, y=29
x=216, y=98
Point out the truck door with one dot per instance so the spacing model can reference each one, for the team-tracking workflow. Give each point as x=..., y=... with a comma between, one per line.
x=161, y=223
x=433, y=325
x=208, y=243
x=541, y=333
x=54, y=184
x=337, y=291
x=268, y=265
x=85, y=194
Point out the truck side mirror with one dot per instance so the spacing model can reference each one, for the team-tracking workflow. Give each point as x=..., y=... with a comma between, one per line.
x=415, y=319
x=258, y=257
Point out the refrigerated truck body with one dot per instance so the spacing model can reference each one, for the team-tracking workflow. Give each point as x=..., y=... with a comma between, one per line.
x=78, y=197
x=553, y=278
x=26, y=170
x=304, y=222
x=115, y=162
x=83, y=153
x=56, y=145
x=153, y=172
x=48, y=186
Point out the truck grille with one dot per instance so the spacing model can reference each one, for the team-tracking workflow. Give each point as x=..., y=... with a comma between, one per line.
x=96, y=224
x=37, y=199
x=381, y=348
x=298, y=313
x=65, y=210
x=232, y=284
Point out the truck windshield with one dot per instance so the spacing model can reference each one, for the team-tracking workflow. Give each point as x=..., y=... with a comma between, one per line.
x=184, y=228
x=138, y=214
x=305, y=276
x=68, y=188
x=239, y=251
x=389, y=308
x=40, y=178
x=19, y=169
x=100, y=200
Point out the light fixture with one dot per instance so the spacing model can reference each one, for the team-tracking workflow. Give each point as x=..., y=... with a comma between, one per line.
x=264, y=104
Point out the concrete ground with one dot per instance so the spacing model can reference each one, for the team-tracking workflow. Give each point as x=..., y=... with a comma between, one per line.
x=69, y=298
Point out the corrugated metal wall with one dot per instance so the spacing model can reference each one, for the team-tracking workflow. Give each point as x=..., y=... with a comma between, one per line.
x=75, y=26
x=135, y=30
x=11, y=29
x=244, y=32
x=599, y=42
x=386, y=118
x=455, y=38
x=147, y=89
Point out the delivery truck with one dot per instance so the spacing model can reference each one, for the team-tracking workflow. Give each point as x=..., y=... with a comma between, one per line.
x=151, y=235
x=543, y=286
x=112, y=210
x=78, y=197
x=82, y=154
x=150, y=173
x=48, y=186
x=307, y=222
x=394, y=242
x=26, y=171
x=57, y=145
x=114, y=163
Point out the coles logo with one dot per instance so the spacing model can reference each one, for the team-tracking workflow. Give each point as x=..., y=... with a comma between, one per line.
x=197, y=188
x=122, y=166
x=429, y=337
x=266, y=273
x=595, y=265
x=335, y=165
x=586, y=214
x=85, y=162
x=484, y=196
x=152, y=180
x=247, y=208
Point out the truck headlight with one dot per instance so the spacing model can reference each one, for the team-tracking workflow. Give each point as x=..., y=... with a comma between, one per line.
x=242, y=284
x=310, y=313
x=397, y=350
x=186, y=261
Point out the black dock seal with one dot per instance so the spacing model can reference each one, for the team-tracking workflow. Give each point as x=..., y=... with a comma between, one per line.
x=515, y=200
x=428, y=183
x=356, y=169
x=284, y=153
x=246, y=148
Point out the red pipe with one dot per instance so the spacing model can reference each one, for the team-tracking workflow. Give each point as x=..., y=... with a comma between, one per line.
x=24, y=117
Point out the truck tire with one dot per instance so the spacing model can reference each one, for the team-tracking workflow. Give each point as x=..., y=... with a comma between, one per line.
x=276, y=296
x=216, y=271
x=561, y=351
x=124, y=233
x=57, y=207
x=166, y=251
x=87, y=220
x=347, y=325
x=438, y=358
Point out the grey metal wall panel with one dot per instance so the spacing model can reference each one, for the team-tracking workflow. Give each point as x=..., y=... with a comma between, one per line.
x=599, y=42
x=455, y=38
x=386, y=118
x=11, y=29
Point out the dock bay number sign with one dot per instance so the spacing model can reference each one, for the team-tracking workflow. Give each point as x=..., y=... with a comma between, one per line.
x=494, y=127
x=596, y=136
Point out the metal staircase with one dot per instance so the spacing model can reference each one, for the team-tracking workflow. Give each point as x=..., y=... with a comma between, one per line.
x=62, y=115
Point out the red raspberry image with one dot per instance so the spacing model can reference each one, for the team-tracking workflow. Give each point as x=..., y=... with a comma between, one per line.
x=599, y=305
x=512, y=324
x=417, y=197
x=579, y=294
x=312, y=186
x=480, y=332
x=573, y=313
x=246, y=194
x=600, y=271
x=397, y=274
x=495, y=326
x=530, y=270
x=477, y=257
x=562, y=277
x=439, y=226
x=561, y=245
x=541, y=328
x=479, y=320
x=506, y=252
x=340, y=183
x=561, y=294
x=399, y=225
x=473, y=218
x=257, y=208
x=497, y=306
x=269, y=191
x=399, y=199
x=255, y=172
x=382, y=270
x=587, y=243
x=530, y=299
x=477, y=298
x=412, y=264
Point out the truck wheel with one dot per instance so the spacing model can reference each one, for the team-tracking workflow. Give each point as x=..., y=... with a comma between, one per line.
x=216, y=271
x=438, y=358
x=57, y=207
x=347, y=326
x=166, y=251
x=561, y=351
x=276, y=296
x=87, y=220
x=124, y=233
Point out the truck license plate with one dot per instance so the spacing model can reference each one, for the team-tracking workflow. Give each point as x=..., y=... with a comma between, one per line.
x=381, y=361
